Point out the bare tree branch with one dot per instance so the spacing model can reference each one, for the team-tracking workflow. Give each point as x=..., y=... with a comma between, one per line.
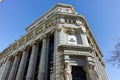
x=115, y=57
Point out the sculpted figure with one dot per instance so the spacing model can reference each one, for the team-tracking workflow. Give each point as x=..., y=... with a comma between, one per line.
x=95, y=75
x=92, y=73
x=90, y=69
x=67, y=72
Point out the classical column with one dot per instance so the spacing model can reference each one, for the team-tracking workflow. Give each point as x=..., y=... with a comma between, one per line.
x=2, y=68
x=42, y=66
x=21, y=69
x=7, y=69
x=14, y=67
x=32, y=63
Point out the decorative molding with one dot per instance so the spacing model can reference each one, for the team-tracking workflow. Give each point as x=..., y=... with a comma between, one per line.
x=58, y=29
x=9, y=58
x=34, y=43
x=74, y=47
x=18, y=54
x=4, y=60
x=76, y=53
x=71, y=31
x=24, y=49
x=92, y=74
x=72, y=40
x=44, y=36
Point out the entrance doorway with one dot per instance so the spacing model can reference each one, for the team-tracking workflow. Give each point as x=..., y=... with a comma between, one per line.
x=78, y=73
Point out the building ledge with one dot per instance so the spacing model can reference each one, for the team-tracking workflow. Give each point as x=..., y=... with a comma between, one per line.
x=74, y=47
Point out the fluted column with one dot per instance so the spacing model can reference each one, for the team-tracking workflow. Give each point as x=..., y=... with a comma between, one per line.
x=32, y=63
x=42, y=66
x=21, y=69
x=2, y=68
x=7, y=69
x=14, y=67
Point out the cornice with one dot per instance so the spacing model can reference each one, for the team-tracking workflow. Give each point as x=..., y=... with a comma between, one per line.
x=49, y=11
x=90, y=34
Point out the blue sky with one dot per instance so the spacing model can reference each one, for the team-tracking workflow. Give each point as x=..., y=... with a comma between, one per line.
x=103, y=17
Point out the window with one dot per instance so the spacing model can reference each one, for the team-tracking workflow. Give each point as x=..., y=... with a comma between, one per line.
x=50, y=56
x=38, y=61
x=79, y=40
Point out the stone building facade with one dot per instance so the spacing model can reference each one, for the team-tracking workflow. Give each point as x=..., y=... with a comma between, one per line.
x=57, y=46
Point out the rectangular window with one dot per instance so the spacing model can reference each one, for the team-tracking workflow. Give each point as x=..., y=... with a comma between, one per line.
x=50, y=56
x=38, y=60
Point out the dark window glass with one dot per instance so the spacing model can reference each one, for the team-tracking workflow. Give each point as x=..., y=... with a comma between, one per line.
x=79, y=40
x=27, y=63
x=50, y=56
x=38, y=61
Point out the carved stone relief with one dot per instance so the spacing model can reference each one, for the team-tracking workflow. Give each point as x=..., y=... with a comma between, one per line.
x=95, y=75
x=72, y=39
x=71, y=31
x=67, y=72
x=92, y=74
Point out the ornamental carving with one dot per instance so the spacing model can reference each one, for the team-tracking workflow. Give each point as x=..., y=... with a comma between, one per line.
x=71, y=31
x=67, y=72
x=92, y=73
x=72, y=40
x=95, y=75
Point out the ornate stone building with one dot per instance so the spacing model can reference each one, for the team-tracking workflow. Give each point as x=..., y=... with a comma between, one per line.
x=57, y=46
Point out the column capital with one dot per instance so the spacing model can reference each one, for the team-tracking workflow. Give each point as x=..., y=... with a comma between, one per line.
x=10, y=58
x=17, y=54
x=53, y=30
x=34, y=43
x=59, y=27
x=4, y=60
x=44, y=36
x=14, y=54
x=24, y=49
